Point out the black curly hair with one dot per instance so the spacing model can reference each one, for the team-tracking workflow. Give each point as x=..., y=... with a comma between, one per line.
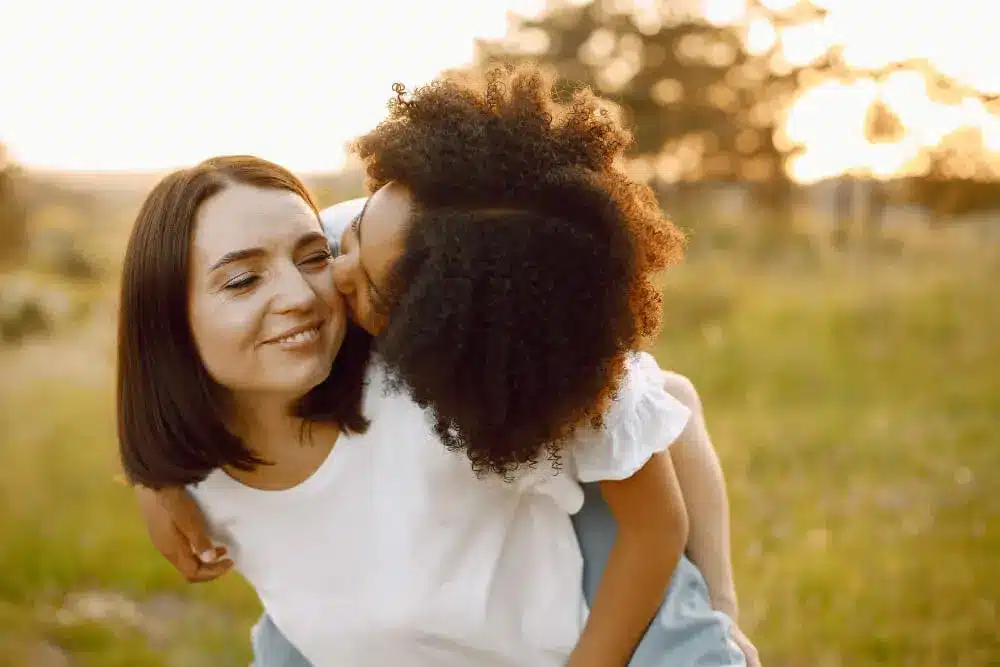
x=528, y=262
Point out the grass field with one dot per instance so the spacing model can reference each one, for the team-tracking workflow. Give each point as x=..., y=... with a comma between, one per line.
x=856, y=406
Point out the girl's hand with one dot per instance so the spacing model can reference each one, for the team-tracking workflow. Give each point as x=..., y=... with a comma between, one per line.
x=177, y=529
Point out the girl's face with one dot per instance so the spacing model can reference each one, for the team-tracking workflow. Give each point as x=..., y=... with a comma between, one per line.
x=369, y=246
x=264, y=313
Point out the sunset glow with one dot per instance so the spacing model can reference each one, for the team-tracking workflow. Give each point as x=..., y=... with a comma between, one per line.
x=151, y=85
x=155, y=85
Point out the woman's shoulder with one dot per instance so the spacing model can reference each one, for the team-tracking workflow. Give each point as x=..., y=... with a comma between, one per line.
x=336, y=218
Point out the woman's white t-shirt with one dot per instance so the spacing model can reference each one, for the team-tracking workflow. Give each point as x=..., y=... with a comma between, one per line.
x=394, y=553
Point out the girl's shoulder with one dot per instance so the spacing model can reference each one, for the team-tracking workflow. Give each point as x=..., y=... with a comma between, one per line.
x=642, y=420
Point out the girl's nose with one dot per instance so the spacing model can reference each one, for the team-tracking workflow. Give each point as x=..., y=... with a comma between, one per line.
x=342, y=274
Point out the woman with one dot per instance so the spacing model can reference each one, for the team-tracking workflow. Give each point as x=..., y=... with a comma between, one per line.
x=381, y=208
x=412, y=558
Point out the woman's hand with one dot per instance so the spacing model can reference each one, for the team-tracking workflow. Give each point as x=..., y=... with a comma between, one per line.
x=177, y=529
x=746, y=646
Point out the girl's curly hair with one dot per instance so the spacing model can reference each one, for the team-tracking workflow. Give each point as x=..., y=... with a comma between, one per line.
x=527, y=274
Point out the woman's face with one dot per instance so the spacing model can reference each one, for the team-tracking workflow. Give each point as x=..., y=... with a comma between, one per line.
x=265, y=316
x=368, y=248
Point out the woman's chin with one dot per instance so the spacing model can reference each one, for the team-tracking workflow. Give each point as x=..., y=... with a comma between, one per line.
x=300, y=377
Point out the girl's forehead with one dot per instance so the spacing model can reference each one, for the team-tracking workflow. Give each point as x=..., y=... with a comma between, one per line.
x=385, y=215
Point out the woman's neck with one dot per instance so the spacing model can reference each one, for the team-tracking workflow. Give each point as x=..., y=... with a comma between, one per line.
x=293, y=448
x=265, y=423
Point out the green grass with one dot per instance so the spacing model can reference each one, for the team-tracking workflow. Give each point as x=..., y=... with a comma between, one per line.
x=856, y=407
x=858, y=417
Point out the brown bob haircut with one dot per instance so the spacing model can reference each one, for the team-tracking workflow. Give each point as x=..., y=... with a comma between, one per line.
x=171, y=428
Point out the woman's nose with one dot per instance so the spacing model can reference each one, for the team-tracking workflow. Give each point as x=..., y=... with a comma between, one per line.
x=294, y=293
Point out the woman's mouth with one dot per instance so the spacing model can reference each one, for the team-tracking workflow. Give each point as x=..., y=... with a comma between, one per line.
x=298, y=337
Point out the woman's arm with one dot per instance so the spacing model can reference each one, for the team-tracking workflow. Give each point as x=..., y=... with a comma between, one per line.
x=652, y=530
x=704, y=487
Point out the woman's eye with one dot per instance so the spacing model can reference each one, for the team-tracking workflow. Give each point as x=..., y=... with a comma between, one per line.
x=241, y=282
x=318, y=258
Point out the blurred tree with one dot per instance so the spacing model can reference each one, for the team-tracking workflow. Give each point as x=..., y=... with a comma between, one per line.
x=13, y=219
x=962, y=176
x=704, y=99
x=707, y=99
x=881, y=126
x=959, y=175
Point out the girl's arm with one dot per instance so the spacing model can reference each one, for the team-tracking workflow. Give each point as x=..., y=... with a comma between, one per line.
x=652, y=531
x=704, y=487
x=178, y=531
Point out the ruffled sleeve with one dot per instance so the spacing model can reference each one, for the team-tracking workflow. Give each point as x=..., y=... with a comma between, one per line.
x=642, y=420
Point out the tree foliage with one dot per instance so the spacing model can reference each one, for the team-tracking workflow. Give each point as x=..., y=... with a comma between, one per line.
x=708, y=100
x=13, y=223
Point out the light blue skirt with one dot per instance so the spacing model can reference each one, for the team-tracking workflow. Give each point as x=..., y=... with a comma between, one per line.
x=686, y=632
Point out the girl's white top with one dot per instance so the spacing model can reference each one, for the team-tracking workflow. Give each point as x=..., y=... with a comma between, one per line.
x=394, y=553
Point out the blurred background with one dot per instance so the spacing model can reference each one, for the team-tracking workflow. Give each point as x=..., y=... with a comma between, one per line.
x=836, y=164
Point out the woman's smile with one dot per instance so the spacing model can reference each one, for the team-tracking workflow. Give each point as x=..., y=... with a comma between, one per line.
x=302, y=337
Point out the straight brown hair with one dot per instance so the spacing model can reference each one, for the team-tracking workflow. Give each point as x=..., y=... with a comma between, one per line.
x=171, y=430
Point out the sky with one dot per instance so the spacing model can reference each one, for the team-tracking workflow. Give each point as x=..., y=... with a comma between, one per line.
x=149, y=84
x=153, y=84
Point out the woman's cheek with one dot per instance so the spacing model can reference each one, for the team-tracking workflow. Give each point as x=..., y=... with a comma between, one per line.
x=241, y=321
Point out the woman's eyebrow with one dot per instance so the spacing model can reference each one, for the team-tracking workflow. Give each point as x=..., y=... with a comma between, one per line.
x=236, y=256
x=310, y=237
x=250, y=253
